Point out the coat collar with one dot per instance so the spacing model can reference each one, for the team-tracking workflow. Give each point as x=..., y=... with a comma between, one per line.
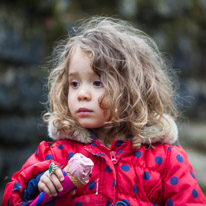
x=154, y=133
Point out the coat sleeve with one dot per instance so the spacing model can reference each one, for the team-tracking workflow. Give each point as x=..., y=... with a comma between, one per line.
x=180, y=186
x=36, y=164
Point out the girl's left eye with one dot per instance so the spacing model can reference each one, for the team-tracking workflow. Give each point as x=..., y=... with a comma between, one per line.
x=74, y=84
x=98, y=83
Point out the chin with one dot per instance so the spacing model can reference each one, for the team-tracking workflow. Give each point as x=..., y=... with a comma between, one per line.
x=90, y=126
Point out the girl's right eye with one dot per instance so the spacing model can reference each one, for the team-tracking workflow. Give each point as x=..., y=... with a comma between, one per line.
x=74, y=84
x=98, y=83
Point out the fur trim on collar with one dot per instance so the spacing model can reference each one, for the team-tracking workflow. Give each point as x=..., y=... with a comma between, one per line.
x=81, y=135
x=154, y=134
x=169, y=133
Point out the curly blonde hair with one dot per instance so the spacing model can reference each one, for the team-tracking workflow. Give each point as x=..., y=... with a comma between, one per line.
x=138, y=85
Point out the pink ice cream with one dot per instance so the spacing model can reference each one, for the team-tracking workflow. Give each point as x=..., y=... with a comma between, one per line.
x=81, y=167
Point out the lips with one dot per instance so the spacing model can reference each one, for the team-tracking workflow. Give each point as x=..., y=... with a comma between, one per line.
x=84, y=110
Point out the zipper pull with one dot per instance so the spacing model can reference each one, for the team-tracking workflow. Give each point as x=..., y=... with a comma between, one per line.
x=97, y=188
x=113, y=157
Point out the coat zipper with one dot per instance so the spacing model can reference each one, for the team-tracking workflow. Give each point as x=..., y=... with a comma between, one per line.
x=113, y=157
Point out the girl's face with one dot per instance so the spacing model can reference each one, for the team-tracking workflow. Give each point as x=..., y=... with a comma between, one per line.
x=85, y=88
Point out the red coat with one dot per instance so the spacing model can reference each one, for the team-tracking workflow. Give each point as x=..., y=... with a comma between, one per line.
x=121, y=176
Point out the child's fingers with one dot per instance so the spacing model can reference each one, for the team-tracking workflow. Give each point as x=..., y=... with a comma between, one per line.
x=55, y=180
x=51, y=183
x=43, y=188
x=41, y=185
x=47, y=180
x=59, y=174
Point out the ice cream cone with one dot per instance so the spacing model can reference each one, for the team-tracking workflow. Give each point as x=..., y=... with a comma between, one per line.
x=75, y=180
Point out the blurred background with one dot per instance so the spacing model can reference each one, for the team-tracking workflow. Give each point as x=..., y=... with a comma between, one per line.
x=29, y=31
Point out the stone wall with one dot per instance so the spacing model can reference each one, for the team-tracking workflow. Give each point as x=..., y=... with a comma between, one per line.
x=27, y=35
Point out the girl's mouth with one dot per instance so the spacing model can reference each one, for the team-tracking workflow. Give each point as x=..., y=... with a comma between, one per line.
x=83, y=110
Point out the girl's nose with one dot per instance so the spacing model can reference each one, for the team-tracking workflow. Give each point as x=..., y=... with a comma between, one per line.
x=84, y=94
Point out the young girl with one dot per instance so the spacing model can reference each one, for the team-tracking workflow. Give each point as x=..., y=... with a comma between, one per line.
x=111, y=98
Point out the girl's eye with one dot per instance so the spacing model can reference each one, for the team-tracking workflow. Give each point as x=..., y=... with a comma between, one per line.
x=98, y=83
x=75, y=84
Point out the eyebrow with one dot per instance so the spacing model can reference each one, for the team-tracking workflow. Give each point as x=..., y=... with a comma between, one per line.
x=74, y=74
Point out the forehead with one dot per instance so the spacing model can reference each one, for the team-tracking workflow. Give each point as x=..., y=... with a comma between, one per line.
x=80, y=62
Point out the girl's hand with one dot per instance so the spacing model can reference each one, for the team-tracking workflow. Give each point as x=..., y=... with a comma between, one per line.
x=50, y=183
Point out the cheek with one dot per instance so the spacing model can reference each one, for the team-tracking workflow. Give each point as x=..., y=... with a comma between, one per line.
x=104, y=106
x=70, y=103
x=103, y=103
